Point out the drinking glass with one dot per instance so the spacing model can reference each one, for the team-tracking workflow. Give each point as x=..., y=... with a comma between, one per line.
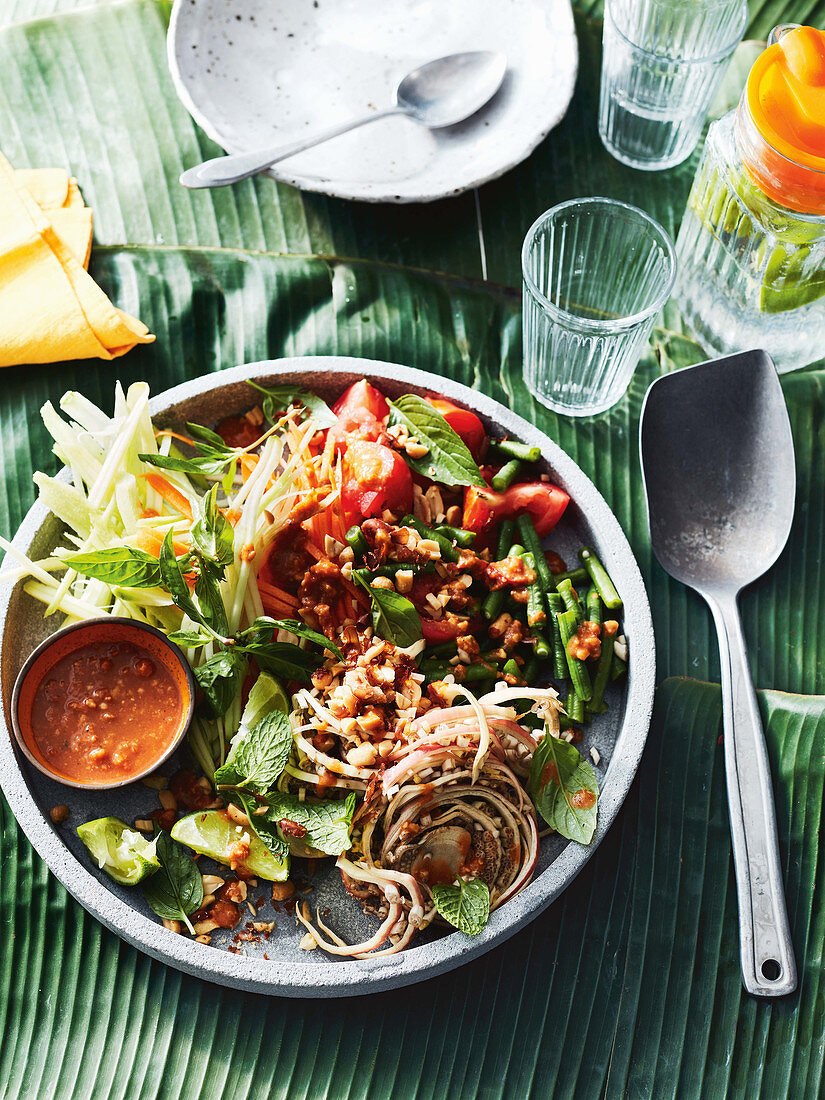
x=662, y=61
x=596, y=272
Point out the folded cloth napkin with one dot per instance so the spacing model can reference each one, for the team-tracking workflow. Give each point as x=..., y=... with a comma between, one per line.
x=50, y=307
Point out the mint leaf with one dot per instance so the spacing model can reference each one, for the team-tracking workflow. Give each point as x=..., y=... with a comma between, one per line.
x=394, y=617
x=466, y=905
x=563, y=786
x=212, y=533
x=327, y=823
x=120, y=565
x=257, y=756
x=176, y=889
x=278, y=399
x=448, y=460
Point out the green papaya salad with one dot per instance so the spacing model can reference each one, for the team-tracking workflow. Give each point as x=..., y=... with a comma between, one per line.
x=394, y=664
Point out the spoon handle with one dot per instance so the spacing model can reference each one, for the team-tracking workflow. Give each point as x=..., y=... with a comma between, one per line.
x=230, y=169
x=766, y=948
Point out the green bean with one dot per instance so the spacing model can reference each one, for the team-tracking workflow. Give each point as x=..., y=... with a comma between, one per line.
x=602, y=675
x=579, y=676
x=448, y=551
x=511, y=669
x=556, y=605
x=507, y=475
x=513, y=449
x=494, y=601
x=593, y=604
x=357, y=541
x=437, y=670
x=541, y=647
x=443, y=649
x=536, y=615
x=458, y=535
x=618, y=668
x=571, y=600
x=531, y=669
x=600, y=708
x=598, y=574
x=574, y=706
x=533, y=544
x=389, y=569
x=577, y=577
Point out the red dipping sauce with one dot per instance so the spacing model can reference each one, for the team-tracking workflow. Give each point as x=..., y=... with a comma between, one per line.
x=100, y=709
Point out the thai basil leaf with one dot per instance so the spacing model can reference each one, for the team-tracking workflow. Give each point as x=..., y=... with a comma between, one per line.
x=466, y=905
x=265, y=830
x=327, y=823
x=212, y=533
x=189, y=639
x=120, y=565
x=264, y=627
x=563, y=786
x=284, y=659
x=394, y=617
x=175, y=582
x=220, y=679
x=228, y=479
x=210, y=603
x=257, y=756
x=448, y=460
x=210, y=464
x=278, y=398
x=212, y=440
x=176, y=889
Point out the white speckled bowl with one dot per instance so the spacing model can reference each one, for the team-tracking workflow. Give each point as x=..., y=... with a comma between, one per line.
x=619, y=735
x=259, y=73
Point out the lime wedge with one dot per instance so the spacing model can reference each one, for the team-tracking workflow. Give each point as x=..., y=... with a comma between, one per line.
x=124, y=854
x=266, y=695
x=214, y=834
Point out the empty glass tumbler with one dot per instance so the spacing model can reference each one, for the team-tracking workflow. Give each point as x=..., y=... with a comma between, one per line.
x=596, y=273
x=662, y=61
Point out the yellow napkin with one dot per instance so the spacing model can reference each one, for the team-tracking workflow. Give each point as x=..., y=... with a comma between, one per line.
x=50, y=307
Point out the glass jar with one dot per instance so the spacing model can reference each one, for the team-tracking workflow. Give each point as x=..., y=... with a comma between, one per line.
x=751, y=248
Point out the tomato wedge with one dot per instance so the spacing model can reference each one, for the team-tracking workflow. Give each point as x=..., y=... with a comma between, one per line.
x=237, y=431
x=464, y=423
x=541, y=500
x=374, y=478
x=362, y=412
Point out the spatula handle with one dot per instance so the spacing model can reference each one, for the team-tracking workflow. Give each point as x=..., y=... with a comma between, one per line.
x=766, y=949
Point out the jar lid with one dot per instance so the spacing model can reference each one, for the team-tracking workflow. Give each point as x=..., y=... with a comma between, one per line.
x=785, y=97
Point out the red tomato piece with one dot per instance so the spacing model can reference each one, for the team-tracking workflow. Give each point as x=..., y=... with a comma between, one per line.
x=464, y=423
x=544, y=503
x=237, y=431
x=436, y=631
x=362, y=412
x=374, y=478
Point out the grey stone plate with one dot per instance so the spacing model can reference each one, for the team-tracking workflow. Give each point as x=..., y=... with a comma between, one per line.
x=277, y=965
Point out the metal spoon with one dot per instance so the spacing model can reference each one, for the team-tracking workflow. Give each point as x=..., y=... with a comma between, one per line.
x=440, y=93
x=718, y=466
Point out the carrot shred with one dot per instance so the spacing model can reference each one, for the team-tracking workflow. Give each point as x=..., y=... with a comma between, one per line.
x=150, y=542
x=275, y=607
x=170, y=494
x=248, y=464
x=273, y=592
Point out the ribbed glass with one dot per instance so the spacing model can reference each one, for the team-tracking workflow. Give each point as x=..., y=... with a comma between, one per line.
x=596, y=272
x=662, y=61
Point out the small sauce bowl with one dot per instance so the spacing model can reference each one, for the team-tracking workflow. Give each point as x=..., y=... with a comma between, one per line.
x=102, y=703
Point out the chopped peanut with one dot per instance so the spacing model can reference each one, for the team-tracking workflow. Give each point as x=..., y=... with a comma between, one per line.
x=59, y=814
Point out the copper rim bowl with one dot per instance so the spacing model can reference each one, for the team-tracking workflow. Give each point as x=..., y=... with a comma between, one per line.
x=63, y=642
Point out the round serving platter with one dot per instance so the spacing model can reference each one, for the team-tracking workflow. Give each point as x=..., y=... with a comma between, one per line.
x=255, y=74
x=277, y=965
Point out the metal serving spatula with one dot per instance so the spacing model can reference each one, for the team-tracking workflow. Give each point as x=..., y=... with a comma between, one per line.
x=718, y=466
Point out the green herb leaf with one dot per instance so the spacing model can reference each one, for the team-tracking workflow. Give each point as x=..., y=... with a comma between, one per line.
x=228, y=480
x=189, y=639
x=466, y=905
x=448, y=460
x=212, y=533
x=263, y=628
x=176, y=889
x=175, y=582
x=394, y=618
x=279, y=398
x=220, y=679
x=327, y=823
x=564, y=788
x=210, y=438
x=284, y=659
x=211, y=465
x=119, y=565
x=257, y=756
x=210, y=602
x=265, y=830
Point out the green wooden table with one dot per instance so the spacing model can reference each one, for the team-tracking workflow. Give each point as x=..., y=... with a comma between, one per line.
x=629, y=985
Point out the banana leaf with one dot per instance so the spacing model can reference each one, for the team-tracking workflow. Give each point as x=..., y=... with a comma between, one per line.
x=629, y=985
